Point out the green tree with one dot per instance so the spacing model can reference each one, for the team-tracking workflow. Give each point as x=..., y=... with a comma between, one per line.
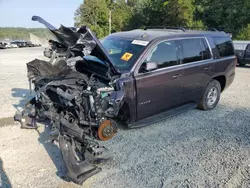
x=121, y=13
x=244, y=34
x=178, y=12
x=94, y=14
x=147, y=13
x=22, y=33
x=231, y=16
x=158, y=13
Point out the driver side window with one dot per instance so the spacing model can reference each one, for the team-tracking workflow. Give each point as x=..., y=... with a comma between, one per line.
x=164, y=54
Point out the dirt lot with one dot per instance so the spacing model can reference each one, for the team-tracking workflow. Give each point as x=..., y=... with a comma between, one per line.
x=193, y=149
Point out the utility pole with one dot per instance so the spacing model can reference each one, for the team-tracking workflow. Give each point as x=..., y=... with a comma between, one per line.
x=110, y=20
x=110, y=15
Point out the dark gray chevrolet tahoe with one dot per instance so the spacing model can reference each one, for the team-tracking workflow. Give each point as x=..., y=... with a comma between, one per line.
x=137, y=77
x=171, y=70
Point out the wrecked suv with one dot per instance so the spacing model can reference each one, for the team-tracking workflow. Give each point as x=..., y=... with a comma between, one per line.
x=133, y=78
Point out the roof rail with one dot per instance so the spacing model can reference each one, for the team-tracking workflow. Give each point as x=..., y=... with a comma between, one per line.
x=203, y=28
x=165, y=27
x=179, y=28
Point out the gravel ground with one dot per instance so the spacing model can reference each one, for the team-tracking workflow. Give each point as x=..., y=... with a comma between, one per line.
x=13, y=78
x=193, y=149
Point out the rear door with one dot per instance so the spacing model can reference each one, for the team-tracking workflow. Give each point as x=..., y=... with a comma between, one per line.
x=197, y=67
x=160, y=89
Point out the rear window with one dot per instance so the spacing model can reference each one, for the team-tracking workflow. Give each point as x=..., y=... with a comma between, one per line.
x=224, y=46
x=195, y=49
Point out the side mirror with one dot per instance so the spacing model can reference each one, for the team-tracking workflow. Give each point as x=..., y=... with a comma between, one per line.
x=150, y=66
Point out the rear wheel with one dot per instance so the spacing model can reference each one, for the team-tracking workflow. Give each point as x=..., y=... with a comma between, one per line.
x=211, y=96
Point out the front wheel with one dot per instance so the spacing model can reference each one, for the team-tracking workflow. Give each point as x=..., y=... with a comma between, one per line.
x=211, y=96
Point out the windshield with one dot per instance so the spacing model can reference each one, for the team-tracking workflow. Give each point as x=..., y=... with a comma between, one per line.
x=123, y=52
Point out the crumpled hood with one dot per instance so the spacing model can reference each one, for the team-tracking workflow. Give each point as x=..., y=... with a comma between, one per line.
x=40, y=68
x=71, y=36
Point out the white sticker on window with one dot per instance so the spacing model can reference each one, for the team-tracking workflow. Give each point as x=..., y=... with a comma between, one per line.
x=140, y=42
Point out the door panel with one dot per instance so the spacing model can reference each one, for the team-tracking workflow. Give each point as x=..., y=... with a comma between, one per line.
x=197, y=66
x=195, y=78
x=161, y=89
x=158, y=91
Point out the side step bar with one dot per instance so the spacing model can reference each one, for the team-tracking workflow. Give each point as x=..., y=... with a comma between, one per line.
x=162, y=116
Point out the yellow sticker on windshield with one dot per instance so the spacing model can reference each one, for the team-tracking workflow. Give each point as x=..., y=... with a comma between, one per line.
x=126, y=56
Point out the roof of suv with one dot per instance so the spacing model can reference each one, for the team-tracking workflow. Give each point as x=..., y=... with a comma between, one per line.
x=151, y=34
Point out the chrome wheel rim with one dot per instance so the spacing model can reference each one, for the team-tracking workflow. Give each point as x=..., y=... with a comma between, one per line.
x=212, y=96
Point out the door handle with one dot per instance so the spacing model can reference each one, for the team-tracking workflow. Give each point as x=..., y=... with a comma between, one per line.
x=176, y=76
x=207, y=69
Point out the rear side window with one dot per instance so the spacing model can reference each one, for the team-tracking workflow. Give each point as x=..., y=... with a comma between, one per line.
x=224, y=46
x=193, y=50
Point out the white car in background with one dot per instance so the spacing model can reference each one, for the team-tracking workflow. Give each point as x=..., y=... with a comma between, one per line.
x=11, y=45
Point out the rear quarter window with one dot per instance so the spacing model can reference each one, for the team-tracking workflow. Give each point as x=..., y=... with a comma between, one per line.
x=225, y=46
x=194, y=50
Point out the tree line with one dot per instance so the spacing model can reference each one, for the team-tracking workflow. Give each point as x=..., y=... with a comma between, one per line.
x=231, y=16
x=14, y=33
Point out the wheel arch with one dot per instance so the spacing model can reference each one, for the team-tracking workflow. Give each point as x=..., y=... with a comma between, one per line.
x=124, y=113
x=222, y=80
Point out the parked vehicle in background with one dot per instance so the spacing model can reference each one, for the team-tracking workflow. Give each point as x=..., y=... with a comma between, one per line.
x=11, y=45
x=30, y=44
x=2, y=45
x=242, y=51
x=37, y=45
x=21, y=43
x=16, y=44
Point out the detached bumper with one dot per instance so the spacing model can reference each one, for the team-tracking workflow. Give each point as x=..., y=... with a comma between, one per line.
x=78, y=171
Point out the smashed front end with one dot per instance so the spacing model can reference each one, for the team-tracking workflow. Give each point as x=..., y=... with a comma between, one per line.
x=81, y=98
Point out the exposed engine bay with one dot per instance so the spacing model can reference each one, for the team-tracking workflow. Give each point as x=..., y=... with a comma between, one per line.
x=79, y=95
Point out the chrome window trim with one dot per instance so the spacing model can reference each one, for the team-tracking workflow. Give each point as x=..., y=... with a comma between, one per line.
x=181, y=65
x=187, y=64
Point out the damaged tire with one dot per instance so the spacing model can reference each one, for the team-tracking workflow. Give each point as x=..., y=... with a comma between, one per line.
x=211, y=96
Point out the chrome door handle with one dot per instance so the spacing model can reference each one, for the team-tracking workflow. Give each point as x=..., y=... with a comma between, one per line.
x=207, y=68
x=176, y=76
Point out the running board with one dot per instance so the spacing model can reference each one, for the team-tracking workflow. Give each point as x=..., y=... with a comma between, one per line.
x=162, y=116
